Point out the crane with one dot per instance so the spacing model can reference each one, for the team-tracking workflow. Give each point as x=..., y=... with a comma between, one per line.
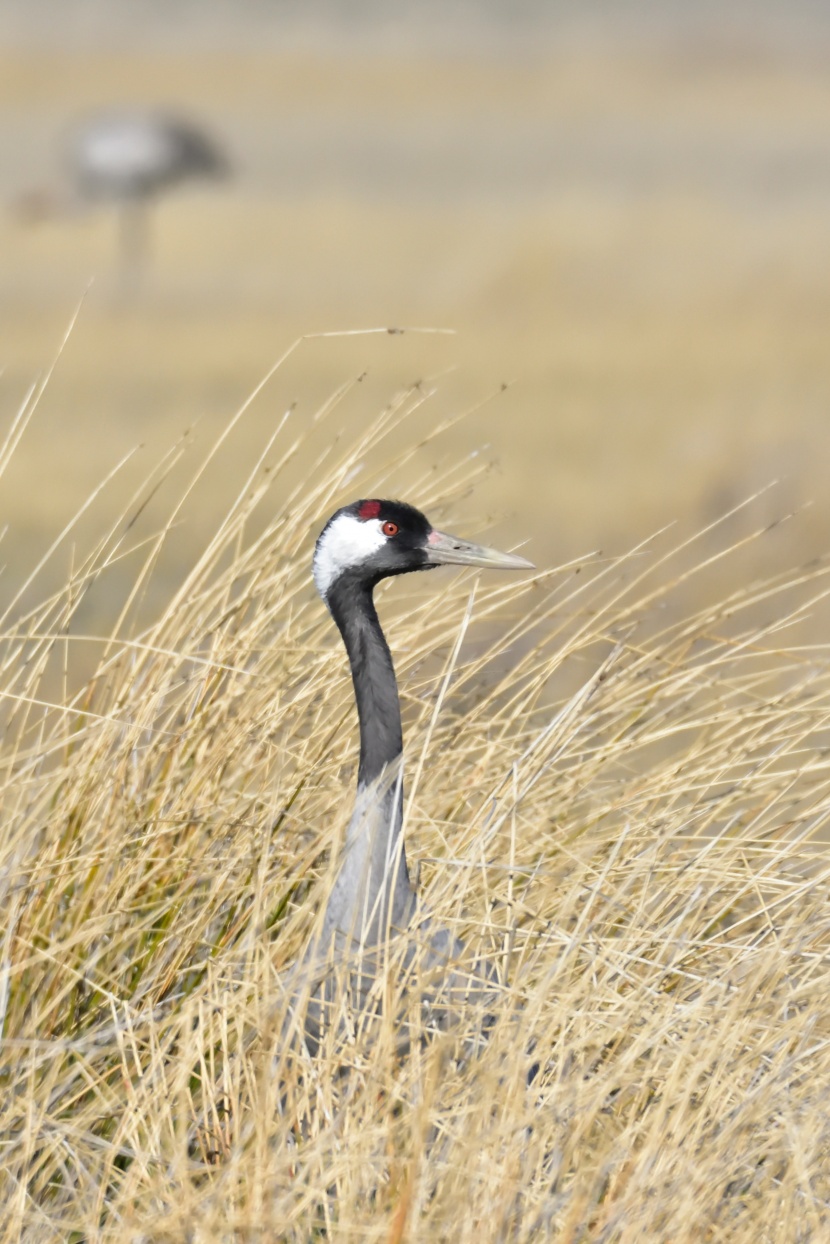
x=372, y=902
x=127, y=159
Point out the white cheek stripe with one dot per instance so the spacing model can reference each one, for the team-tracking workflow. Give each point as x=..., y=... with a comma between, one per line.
x=347, y=542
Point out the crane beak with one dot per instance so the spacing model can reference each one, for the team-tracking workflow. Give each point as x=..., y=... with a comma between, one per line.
x=446, y=550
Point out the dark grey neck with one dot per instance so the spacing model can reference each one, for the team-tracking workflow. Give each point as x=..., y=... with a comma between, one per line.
x=373, y=674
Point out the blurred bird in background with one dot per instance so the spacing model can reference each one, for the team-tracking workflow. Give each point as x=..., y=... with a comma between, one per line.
x=127, y=159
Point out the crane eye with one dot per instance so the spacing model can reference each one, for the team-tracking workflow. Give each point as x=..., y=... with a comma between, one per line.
x=390, y=529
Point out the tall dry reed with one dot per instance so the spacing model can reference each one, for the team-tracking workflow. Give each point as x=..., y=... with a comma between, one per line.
x=621, y=797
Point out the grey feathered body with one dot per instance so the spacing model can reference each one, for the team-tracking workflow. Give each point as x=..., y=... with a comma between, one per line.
x=122, y=156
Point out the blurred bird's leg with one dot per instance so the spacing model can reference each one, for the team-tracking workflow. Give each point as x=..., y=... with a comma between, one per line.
x=133, y=245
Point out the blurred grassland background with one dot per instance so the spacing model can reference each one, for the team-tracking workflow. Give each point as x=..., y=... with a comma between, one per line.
x=625, y=216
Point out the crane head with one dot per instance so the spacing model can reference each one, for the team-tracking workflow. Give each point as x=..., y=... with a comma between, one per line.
x=370, y=540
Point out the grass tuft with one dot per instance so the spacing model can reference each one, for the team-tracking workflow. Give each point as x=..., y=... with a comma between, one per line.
x=623, y=799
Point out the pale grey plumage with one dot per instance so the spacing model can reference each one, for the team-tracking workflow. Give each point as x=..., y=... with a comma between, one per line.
x=121, y=156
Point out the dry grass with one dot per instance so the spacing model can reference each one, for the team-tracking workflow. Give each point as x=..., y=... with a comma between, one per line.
x=634, y=236
x=623, y=804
